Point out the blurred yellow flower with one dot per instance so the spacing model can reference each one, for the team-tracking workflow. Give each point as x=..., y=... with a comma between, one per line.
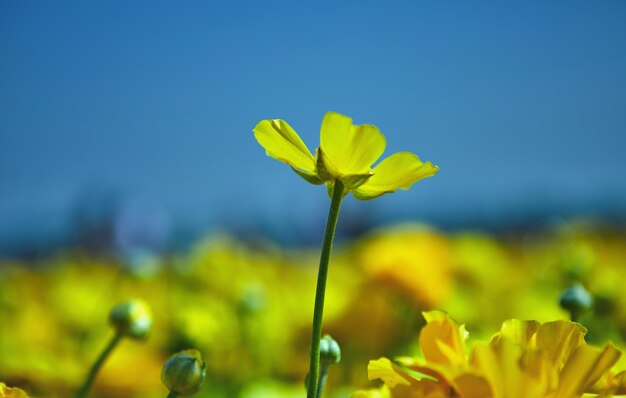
x=346, y=154
x=7, y=392
x=410, y=258
x=525, y=359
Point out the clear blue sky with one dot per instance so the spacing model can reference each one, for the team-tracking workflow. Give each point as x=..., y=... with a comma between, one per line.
x=520, y=103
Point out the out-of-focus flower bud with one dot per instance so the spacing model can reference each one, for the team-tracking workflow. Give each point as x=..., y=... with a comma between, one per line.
x=184, y=372
x=577, y=300
x=252, y=300
x=132, y=318
x=330, y=352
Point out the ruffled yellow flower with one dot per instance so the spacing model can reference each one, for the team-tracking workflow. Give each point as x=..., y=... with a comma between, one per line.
x=525, y=359
x=346, y=154
x=7, y=392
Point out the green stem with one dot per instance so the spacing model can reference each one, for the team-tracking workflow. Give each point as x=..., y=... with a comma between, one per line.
x=316, y=335
x=322, y=383
x=172, y=394
x=97, y=365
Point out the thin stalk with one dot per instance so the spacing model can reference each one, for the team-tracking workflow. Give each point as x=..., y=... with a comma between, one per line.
x=82, y=393
x=322, y=273
x=322, y=383
x=172, y=394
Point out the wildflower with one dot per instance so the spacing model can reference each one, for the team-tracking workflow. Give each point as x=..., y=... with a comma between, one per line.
x=346, y=154
x=525, y=359
x=343, y=161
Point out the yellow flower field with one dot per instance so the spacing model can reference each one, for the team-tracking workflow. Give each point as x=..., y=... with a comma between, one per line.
x=247, y=308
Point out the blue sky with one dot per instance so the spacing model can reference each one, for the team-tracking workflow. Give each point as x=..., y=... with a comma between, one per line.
x=522, y=104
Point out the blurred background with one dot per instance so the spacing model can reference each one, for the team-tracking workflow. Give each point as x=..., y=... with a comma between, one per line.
x=127, y=156
x=148, y=109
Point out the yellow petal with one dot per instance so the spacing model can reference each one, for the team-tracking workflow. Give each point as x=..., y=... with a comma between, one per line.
x=398, y=171
x=499, y=364
x=616, y=383
x=465, y=382
x=350, y=149
x=502, y=364
x=390, y=374
x=383, y=392
x=469, y=385
x=558, y=339
x=282, y=143
x=520, y=332
x=401, y=384
x=422, y=389
x=548, y=346
x=443, y=341
x=585, y=366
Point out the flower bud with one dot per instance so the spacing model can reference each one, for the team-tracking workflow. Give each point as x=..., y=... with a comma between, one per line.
x=184, y=372
x=252, y=300
x=132, y=318
x=577, y=300
x=330, y=352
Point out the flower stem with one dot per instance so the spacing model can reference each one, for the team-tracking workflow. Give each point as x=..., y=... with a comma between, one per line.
x=322, y=383
x=172, y=394
x=84, y=389
x=316, y=335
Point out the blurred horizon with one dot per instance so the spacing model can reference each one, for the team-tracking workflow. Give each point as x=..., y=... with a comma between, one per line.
x=143, y=113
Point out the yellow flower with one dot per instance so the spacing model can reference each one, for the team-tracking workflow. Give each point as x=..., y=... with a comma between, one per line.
x=6, y=392
x=411, y=259
x=346, y=154
x=526, y=359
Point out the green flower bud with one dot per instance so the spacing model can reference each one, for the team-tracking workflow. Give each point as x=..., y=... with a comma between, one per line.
x=132, y=318
x=184, y=372
x=252, y=300
x=330, y=352
x=577, y=300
